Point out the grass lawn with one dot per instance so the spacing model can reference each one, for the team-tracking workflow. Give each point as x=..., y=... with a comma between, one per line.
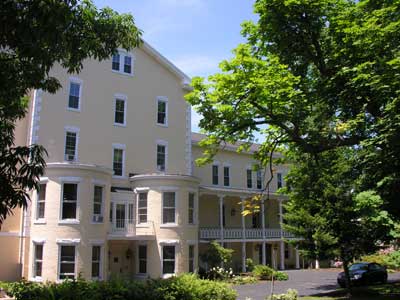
x=389, y=291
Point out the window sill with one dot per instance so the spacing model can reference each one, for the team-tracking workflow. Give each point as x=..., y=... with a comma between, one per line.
x=119, y=177
x=69, y=222
x=162, y=125
x=169, y=275
x=39, y=221
x=97, y=223
x=120, y=125
x=122, y=73
x=37, y=279
x=74, y=109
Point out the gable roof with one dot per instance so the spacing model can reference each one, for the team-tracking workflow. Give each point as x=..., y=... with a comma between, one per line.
x=166, y=63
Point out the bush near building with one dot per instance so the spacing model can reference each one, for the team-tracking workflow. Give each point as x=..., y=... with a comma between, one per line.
x=389, y=259
x=265, y=273
x=188, y=287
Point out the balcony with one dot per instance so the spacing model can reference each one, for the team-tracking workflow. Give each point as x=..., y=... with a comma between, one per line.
x=250, y=234
x=128, y=229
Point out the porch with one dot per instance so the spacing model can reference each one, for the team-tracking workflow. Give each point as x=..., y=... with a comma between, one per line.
x=250, y=234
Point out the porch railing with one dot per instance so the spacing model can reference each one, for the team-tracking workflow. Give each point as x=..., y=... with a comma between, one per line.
x=129, y=227
x=249, y=233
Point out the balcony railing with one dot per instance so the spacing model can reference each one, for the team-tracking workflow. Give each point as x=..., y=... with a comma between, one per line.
x=249, y=233
x=129, y=228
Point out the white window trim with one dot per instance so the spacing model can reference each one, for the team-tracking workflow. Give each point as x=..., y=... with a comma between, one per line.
x=125, y=99
x=122, y=53
x=142, y=243
x=249, y=168
x=215, y=164
x=103, y=185
x=40, y=220
x=66, y=242
x=194, y=244
x=73, y=180
x=80, y=82
x=195, y=207
x=165, y=100
x=174, y=243
x=162, y=143
x=99, y=243
x=277, y=179
x=174, y=190
x=138, y=192
x=229, y=166
x=75, y=130
x=33, y=255
x=121, y=147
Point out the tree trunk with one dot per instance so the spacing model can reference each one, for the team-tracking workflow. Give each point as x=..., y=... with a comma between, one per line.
x=347, y=277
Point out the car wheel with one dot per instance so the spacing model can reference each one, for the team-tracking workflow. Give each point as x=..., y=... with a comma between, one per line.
x=342, y=284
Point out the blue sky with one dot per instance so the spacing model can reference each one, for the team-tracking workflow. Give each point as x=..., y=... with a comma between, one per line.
x=194, y=34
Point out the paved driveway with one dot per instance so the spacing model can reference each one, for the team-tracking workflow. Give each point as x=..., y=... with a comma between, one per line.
x=306, y=282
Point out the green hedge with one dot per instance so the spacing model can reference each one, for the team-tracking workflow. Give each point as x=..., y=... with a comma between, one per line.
x=265, y=273
x=390, y=260
x=184, y=287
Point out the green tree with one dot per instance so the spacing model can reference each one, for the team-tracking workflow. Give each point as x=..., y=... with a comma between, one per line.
x=216, y=255
x=34, y=36
x=313, y=76
x=329, y=211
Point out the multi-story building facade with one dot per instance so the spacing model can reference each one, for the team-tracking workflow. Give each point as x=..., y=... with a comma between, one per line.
x=121, y=196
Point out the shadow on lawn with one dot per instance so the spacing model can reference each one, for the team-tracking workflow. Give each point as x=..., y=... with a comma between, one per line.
x=388, y=291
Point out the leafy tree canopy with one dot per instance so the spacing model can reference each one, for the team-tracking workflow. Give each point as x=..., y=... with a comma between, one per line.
x=313, y=76
x=35, y=35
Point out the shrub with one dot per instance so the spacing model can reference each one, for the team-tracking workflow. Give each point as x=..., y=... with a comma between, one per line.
x=243, y=280
x=249, y=265
x=216, y=255
x=219, y=273
x=187, y=286
x=290, y=295
x=280, y=276
x=390, y=260
x=263, y=272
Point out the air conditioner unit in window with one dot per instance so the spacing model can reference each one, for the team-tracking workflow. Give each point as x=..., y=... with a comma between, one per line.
x=97, y=218
x=69, y=157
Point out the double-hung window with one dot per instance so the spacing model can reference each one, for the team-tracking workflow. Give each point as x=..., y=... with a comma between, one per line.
x=41, y=202
x=118, y=160
x=98, y=204
x=122, y=62
x=191, y=258
x=120, y=110
x=71, y=144
x=279, y=180
x=69, y=201
x=67, y=262
x=162, y=111
x=226, y=176
x=161, y=156
x=169, y=203
x=215, y=174
x=96, y=262
x=191, y=208
x=38, y=260
x=168, y=259
x=74, y=96
x=142, y=208
x=249, y=178
x=142, y=250
x=259, y=179
x=115, y=61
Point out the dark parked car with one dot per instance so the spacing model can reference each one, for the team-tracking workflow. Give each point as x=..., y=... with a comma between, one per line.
x=364, y=273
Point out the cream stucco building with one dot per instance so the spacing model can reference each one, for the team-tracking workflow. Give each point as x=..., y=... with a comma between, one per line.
x=121, y=196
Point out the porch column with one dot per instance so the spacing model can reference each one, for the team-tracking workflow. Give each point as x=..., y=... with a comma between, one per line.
x=221, y=218
x=282, y=255
x=282, y=243
x=264, y=260
x=242, y=199
x=297, y=258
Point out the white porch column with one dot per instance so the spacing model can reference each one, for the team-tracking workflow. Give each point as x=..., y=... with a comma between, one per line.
x=242, y=199
x=221, y=217
x=317, y=264
x=282, y=255
x=264, y=260
x=297, y=258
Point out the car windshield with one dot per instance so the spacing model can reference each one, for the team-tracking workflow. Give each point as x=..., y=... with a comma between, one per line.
x=357, y=267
